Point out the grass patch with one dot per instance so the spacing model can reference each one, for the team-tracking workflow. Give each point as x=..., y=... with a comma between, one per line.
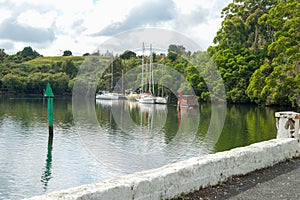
x=54, y=59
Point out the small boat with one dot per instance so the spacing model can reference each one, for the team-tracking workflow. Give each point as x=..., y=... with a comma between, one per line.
x=187, y=100
x=132, y=96
x=161, y=100
x=147, y=98
x=106, y=102
x=108, y=96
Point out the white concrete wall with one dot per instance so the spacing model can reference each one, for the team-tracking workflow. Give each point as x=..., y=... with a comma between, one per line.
x=186, y=176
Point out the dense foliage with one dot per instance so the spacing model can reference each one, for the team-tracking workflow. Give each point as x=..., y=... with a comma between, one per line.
x=257, y=51
x=27, y=72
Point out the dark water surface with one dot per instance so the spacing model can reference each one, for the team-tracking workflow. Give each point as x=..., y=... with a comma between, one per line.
x=128, y=137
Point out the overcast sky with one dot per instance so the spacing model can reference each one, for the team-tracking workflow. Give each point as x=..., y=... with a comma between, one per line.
x=50, y=27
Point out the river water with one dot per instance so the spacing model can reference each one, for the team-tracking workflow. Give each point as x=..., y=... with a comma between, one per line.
x=114, y=139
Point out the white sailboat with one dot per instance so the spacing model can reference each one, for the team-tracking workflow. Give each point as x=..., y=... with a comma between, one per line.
x=147, y=98
x=162, y=99
x=107, y=95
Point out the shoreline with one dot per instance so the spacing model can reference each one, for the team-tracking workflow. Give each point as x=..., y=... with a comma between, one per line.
x=15, y=95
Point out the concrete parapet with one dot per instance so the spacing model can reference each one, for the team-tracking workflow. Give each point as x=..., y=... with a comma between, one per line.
x=185, y=176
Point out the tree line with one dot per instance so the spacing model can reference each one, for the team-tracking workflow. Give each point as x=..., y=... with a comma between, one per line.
x=18, y=75
x=257, y=51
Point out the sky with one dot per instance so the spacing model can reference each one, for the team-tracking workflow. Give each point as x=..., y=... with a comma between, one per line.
x=51, y=27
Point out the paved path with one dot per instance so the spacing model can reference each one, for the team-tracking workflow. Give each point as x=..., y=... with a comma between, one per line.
x=281, y=181
x=284, y=186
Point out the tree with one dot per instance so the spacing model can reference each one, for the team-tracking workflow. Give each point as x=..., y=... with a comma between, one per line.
x=60, y=83
x=281, y=84
x=172, y=56
x=178, y=49
x=14, y=82
x=242, y=45
x=2, y=54
x=67, y=53
x=69, y=68
x=127, y=55
x=28, y=52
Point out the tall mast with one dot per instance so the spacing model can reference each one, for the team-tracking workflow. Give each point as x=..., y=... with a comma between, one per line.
x=151, y=70
x=112, y=72
x=142, y=90
x=123, y=91
x=162, y=80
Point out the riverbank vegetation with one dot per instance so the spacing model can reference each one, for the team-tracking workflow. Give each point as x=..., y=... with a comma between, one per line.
x=256, y=52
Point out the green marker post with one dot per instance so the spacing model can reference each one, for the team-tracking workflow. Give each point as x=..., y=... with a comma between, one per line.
x=49, y=94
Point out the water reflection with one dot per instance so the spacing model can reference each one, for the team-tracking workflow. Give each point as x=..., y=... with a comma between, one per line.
x=144, y=135
x=123, y=137
x=47, y=175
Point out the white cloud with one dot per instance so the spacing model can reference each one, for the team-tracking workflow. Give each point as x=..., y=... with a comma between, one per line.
x=56, y=25
x=148, y=13
x=35, y=19
x=4, y=14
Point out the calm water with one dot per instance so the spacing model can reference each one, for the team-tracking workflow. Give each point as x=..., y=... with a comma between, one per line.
x=102, y=140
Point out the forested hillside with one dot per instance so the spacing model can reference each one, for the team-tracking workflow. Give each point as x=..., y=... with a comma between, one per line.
x=27, y=72
x=257, y=51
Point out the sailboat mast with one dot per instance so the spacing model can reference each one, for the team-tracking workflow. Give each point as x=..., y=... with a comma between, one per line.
x=162, y=80
x=142, y=90
x=151, y=69
x=112, y=72
x=123, y=91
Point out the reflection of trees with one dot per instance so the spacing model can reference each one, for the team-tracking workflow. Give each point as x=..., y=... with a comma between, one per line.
x=103, y=112
x=29, y=111
x=258, y=121
x=245, y=125
x=130, y=116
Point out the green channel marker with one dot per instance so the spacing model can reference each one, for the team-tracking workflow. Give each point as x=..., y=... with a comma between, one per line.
x=49, y=94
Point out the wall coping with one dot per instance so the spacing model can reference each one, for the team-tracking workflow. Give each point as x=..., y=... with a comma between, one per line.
x=186, y=176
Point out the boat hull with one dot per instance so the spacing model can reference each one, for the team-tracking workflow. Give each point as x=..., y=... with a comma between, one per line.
x=147, y=99
x=108, y=96
x=161, y=100
x=188, y=101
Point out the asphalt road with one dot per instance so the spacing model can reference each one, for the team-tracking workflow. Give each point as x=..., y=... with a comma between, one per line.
x=281, y=181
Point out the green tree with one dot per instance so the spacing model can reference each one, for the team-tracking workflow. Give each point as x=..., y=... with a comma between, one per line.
x=2, y=54
x=67, y=53
x=69, y=68
x=178, y=49
x=28, y=52
x=172, y=56
x=241, y=45
x=257, y=83
x=36, y=82
x=127, y=55
x=14, y=82
x=60, y=83
x=281, y=85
